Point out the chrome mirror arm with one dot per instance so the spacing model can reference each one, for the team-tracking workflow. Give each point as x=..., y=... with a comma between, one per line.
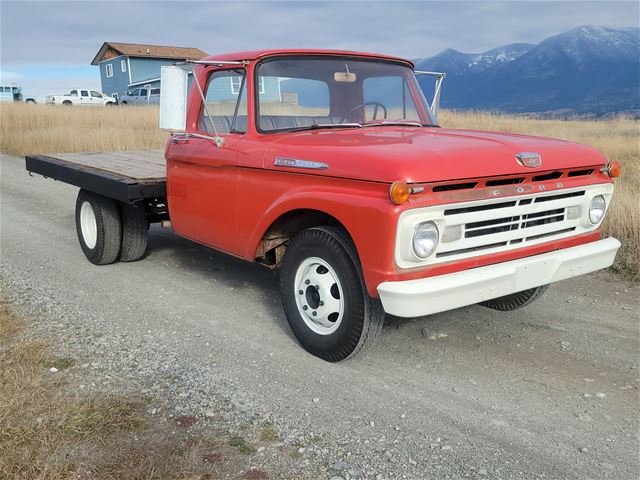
x=435, y=102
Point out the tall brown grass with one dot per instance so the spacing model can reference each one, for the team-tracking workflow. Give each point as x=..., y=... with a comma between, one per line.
x=27, y=129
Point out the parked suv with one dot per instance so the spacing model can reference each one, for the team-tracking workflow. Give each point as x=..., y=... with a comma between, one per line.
x=141, y=96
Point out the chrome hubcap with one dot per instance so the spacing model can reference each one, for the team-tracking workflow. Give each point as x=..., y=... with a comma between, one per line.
x=319, y=296
x=88, y=225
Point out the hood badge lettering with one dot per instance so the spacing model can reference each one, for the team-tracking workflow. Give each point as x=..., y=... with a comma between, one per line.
x=529, y=159
x=294, y=162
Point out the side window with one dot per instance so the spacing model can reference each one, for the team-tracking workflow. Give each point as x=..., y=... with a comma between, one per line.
x=135, y=92
x=226, y=97
x=155, y=91
x=74, y=93
x=143, y=92
x=109, y=69
x=393, y=94
x=95, y=94
x=123, y=65
x=84, y=93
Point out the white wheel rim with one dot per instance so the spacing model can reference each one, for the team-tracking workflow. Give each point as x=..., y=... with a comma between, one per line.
x=319, y=296
x=88, y=225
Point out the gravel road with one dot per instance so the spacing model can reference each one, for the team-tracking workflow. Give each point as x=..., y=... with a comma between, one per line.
x=550, y=391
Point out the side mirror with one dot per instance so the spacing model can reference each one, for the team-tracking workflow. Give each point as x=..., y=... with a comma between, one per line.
x=173, y=98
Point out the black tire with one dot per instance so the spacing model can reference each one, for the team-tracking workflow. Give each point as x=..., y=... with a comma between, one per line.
x=363, y=316
x=516, y=300
x=135, y=231
x=108, y=228
x=67, y=103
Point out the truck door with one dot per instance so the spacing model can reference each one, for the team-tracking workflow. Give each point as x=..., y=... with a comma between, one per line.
x=201, y=177
x=85, y=99
x=96, y=98
x=142, y=98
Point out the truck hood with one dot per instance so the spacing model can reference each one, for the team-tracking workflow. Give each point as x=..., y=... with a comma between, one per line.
x=414, y=154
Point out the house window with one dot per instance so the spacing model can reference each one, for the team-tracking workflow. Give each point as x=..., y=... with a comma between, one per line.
x=123, y=65
x=109, y=68
x=237, y=81
x=235, y=84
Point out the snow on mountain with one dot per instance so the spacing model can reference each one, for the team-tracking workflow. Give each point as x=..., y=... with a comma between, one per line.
x=587, y=69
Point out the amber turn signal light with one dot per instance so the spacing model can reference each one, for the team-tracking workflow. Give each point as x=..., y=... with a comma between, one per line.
x=613, y=169
x=399, y=192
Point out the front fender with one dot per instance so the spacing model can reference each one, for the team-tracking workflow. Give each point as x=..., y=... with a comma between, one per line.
x=362, y=208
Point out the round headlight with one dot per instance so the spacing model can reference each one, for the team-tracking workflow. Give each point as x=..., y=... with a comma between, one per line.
x=425, y=239
x=597, y=209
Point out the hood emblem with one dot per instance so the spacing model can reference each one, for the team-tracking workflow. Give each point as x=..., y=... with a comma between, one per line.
x=529, y=159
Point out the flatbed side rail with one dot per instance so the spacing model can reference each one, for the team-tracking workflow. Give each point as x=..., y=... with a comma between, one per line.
x=111, y=186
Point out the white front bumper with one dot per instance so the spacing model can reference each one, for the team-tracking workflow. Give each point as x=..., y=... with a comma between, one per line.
x=424, y=296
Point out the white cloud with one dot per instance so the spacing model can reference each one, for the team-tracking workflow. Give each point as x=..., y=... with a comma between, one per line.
x=72, y=33
x=7, y=77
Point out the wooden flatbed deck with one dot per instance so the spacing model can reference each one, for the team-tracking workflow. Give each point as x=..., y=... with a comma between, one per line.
x=125, y=176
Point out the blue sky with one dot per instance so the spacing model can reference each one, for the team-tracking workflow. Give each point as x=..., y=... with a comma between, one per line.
x=47, y=47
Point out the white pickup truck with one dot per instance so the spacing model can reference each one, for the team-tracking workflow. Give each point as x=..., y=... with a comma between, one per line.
x=81, y=97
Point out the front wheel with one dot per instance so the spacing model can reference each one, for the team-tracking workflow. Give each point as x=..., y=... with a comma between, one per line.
x=324, y=298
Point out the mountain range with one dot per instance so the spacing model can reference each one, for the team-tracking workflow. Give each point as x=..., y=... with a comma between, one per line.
x=590, y=70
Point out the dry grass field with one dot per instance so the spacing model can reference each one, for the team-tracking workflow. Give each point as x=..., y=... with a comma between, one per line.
x=28, y=129
x=50, y=430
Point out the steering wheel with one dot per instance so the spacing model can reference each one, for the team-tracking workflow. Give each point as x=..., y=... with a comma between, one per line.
x=364, y=105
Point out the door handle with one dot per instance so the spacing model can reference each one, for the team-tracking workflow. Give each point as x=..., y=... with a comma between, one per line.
x=180, y=138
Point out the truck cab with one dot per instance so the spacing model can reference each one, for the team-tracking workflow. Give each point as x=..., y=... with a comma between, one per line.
x=10, y=93
x=331, y=166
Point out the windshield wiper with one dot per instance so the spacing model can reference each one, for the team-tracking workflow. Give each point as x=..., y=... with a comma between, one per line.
x=401, y=123
x=317, y=126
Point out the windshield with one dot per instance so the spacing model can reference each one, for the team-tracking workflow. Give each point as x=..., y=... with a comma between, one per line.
x=297, y=93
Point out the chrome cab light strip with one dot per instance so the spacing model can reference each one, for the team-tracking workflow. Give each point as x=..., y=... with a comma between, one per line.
x=296, y=163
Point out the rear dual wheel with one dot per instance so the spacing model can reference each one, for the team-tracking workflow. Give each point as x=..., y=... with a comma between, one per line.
x=108, y=230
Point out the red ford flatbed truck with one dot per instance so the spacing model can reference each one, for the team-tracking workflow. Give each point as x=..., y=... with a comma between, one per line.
x=330, y=166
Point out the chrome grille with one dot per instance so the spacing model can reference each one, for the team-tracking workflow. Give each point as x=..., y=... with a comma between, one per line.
x=487, y=226
x=525, y=222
